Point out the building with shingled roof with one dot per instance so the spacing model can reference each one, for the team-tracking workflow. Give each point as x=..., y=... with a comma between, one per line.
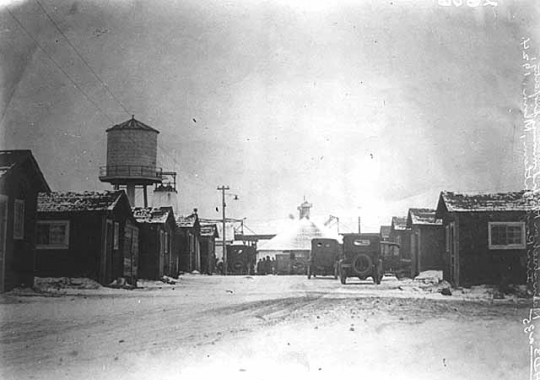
x=87, y=234
x=20, y=182
x=427, y=240
x=157, y=254
x=486, y=236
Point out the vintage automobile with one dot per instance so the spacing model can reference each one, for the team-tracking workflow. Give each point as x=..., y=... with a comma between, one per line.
x=292, y=262
x=240, y=259
x=323, y=258
x=362, y=257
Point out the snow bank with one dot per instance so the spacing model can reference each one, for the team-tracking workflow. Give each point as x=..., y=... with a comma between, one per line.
x=45, y=284
x=56, y=285
x=430, y=277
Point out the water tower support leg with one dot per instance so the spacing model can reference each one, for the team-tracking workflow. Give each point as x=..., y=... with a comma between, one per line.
x=145, y=196
x=131, y=194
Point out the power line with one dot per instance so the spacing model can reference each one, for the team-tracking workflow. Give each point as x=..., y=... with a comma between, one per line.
x=164, y=152
x=58, y=66
x=90, y=68
x=66, y=74
x=82, y=58
x=11, y=96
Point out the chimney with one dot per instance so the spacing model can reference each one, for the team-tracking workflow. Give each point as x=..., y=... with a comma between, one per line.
x=359, y=225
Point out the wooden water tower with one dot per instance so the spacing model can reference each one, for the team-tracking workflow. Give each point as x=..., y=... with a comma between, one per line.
x=131, y=158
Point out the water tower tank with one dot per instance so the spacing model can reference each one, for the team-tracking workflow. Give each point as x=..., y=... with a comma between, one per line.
x=131, y=154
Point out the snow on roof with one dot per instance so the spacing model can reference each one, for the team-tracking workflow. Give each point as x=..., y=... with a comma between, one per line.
x=186, y=221
x=297, y=237
x=151, y=215
x=72, y=201
x=132, y=124
x=399, y=223
x=423, y=216
x=511, y=201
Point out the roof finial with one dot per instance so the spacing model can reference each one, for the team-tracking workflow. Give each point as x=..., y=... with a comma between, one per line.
x=132, y=117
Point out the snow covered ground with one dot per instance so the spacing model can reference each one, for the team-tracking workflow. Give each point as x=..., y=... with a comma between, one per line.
x=260, y=327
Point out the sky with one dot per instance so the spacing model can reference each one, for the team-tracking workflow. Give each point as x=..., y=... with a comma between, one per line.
x=365, y=108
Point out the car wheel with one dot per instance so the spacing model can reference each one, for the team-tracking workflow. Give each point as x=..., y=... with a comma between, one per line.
x=362, y=265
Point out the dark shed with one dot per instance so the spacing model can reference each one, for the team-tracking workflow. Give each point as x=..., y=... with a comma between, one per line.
x=157, y=256
x=20, y=182
x=209, y=234
x=90, y=234
x=427, y=240
x=188, y=231
x=485, y=237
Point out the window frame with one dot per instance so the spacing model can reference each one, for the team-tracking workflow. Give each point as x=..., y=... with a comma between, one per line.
x=18, y=219
x=507, y=246
x=64, y=245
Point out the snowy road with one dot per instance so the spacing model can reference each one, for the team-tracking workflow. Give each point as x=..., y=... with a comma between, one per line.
x=260, y=327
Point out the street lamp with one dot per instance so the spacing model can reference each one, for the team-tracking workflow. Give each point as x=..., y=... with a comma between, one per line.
x=223, y=205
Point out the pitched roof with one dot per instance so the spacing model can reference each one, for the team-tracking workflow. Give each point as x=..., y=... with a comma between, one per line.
x=186, y=221
x=385, y=231
x=298, y=237
x=132, y=124
x=73, y=202
x=424, y=216
x=151, y=215
x=9, y=159
x=399, y=223
x=511, y=201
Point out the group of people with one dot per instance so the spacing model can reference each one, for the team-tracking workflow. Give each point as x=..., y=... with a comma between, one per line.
x=266, y=266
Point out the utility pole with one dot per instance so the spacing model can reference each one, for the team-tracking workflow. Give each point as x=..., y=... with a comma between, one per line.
x=223, y=205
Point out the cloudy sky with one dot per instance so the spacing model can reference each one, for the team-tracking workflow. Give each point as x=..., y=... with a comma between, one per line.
x=363, y=107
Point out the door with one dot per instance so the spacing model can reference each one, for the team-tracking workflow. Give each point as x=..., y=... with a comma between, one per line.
x=131, y=253
x=414, y=255
x=452, y=253
x=108, y=253
x=161, y=263
x=3, y=243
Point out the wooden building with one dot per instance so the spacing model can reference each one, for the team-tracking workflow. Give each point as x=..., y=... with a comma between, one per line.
x=90, y=234
x=427, y=240
x=400, y=234
x=209, y=234
x=157, y=254
x=188, y=232
x=20, y=182
x=485, y=237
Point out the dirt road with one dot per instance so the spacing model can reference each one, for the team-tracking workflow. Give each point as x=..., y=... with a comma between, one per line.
x=260, y=328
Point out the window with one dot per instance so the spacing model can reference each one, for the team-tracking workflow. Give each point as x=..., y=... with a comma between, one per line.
x=362, y=242
x=53, y=234
x=116, y=235
x=18, y=220
x=506, y=235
